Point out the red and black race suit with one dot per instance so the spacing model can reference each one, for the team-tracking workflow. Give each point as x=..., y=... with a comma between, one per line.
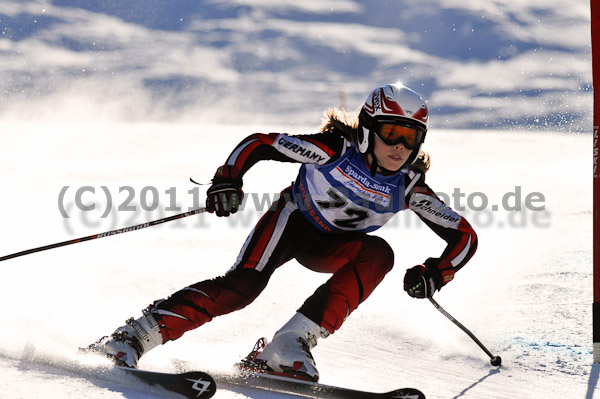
x=323, y=222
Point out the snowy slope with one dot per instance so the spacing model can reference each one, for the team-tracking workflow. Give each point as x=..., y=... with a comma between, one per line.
x=526, y=294
x=482, y=64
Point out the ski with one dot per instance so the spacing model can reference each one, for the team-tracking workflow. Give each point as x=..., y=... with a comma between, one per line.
x=307, y=389
x=192, y=384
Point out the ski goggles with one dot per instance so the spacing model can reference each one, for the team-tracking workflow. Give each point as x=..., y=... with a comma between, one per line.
x=407, y=134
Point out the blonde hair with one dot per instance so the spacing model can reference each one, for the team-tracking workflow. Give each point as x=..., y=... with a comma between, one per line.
x=337, y=119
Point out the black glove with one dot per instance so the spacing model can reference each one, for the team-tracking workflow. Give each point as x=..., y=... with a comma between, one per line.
x=225, y=195
x=421, y=281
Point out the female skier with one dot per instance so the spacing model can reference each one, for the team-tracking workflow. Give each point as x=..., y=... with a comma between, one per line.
x=354, y=177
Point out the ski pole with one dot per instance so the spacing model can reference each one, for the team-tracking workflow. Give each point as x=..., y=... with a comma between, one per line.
x=494, y=360
x=102, y=235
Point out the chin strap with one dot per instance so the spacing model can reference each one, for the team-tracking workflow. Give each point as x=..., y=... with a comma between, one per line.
x=373, y=164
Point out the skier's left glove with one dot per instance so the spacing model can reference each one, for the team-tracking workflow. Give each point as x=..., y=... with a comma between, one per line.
x=419, y=282
x=422, y=281
x=225, y=195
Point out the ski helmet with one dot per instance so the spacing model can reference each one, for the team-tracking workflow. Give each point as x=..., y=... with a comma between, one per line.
x=396, y=114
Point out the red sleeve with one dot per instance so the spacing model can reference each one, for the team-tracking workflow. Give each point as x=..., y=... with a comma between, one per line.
x=314, y=148
x=449, y=225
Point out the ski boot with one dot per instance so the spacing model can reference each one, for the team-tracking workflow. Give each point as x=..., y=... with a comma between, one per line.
x=288, y=354
x=129, y=342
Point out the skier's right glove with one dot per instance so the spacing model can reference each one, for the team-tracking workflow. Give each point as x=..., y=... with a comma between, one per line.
x=225, y=195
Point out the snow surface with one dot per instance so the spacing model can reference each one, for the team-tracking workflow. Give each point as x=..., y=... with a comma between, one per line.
x=140, y=95
x=526, y=294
